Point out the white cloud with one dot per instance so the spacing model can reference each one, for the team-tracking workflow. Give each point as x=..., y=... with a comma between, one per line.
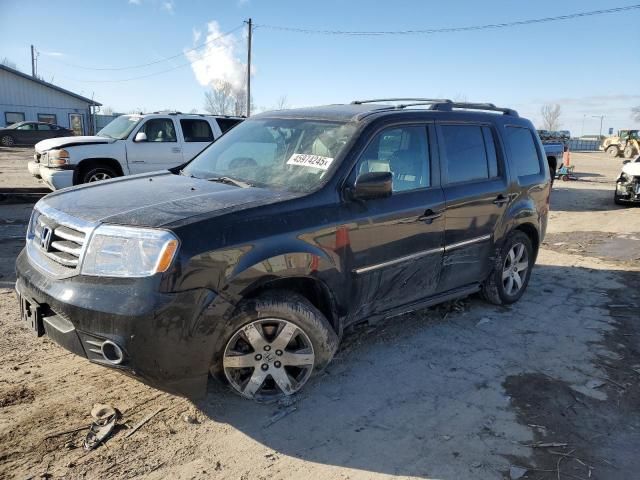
x=51, y=54
x=217, y=61
x=168, y=5
x=196, y=35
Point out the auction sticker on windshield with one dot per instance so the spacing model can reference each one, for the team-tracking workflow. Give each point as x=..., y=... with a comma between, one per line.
x=305, y=160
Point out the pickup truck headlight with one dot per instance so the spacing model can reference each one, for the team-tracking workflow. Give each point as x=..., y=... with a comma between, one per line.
x=117, y=251
x=57, y=158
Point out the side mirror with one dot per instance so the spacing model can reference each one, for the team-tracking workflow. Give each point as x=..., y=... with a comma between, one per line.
x=373, y=185
x=140, y=137
x=624, y=162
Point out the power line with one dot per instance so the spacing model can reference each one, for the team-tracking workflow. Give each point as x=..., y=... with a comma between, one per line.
x=432, y=31
x=142, y=65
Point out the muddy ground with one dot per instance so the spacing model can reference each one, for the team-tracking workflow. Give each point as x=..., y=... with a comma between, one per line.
x=545, y=389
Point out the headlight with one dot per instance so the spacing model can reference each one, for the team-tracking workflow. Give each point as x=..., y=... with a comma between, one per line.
x=116, y=251
x=57, y=158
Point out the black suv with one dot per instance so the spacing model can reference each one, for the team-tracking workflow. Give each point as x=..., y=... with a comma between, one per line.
x=249, y=261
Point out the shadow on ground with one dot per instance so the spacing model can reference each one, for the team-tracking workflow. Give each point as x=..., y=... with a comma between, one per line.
x=424, y=396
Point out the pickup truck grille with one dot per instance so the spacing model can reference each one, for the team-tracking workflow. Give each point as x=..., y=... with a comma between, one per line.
x=56, y=242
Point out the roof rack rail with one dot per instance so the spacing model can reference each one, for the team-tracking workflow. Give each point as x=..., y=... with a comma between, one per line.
x=426, y=100
x=448, y=106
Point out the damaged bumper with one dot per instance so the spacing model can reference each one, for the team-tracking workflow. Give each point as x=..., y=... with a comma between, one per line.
x=628, y=188
x=163, y=339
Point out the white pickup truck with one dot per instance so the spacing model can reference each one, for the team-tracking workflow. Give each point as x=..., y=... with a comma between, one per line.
x=128, y=145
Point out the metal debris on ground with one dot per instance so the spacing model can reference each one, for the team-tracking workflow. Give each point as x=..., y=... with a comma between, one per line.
x=143, y=421
x=104, y=421
x=189, y=418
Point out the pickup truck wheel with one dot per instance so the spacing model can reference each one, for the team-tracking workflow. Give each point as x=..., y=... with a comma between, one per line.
x=96, y=174
x=613, y=151
x=511, y=270
x=273, y=344
x=7, y=141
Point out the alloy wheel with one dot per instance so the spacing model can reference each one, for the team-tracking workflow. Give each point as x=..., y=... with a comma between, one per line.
x=515, y=269
x=268, y=358
x=7, y=141
x=96, y=177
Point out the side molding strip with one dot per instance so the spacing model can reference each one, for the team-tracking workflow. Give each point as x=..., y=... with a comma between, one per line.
x=467, y=242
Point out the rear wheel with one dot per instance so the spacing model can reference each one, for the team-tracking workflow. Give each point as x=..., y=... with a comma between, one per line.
x=97, y=173
x=613, y=151
x=511, y=270
x=7, y=141
x=272, y=346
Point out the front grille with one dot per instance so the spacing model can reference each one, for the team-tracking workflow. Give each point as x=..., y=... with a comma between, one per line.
x=56, y=242
x=61, y=244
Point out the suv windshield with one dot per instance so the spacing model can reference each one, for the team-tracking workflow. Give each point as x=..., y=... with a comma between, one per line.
x=121, y=127
x=289, y=154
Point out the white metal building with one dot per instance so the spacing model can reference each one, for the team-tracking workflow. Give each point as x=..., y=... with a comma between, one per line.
x=25, y=98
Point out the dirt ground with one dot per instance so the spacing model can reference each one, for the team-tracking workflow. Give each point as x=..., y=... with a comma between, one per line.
x=544, y=389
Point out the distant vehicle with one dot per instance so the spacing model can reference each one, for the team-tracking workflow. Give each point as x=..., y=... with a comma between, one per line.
x=128, y=145
x=30, y=133
x=626, y=142
x=553, y=150
x=565, y=134
x=592, y=138
x=628, y=183
x=251, y=260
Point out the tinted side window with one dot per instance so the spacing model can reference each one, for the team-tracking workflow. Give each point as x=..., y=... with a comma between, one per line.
x=465, y=153
x=524, y=154
x=196, y=131
x=402, y=151
x=159, y=130
x=42, y=126
x=227, y=123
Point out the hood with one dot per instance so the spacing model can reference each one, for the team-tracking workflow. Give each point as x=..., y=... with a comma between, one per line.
x=632, y=168
x=157, y=199
x=70, y=141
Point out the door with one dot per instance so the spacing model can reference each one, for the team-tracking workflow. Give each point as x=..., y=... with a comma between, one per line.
x=45, y=131
x=27, y=134
x=476, y=194
x=75, y=123
x=396, y=242
x=197, y=135
x=161, y=149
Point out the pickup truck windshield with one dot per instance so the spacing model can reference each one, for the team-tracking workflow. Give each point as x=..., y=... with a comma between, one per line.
x=285, y=154
x=120, y=128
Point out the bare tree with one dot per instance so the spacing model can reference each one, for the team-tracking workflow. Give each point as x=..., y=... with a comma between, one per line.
x=635, y=113
x=107, y=110
x=551, y=116
x=193, y=110
x=282, y=103
x=220, y=100
x=8, y=63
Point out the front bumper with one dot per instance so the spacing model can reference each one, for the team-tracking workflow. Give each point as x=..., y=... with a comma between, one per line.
x=34, y=168
x=56, y=178
x=628, y=191
x=167, y=338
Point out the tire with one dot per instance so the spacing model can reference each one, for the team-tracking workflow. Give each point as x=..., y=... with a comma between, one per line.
x=613, y=151
x=617, y=200
x=7, y=141
x=97, y=173
x=253, y=355
x=628, y=152
x=497, y=289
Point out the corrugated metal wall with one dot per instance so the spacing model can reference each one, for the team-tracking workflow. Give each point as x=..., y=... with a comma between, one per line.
x=21, y=95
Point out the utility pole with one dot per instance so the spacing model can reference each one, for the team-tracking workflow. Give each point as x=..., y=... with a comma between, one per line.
x=33, y=61
x=250, y=26
x=601, y=117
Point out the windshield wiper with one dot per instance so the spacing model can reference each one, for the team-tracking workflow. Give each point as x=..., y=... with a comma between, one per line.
x=230, y=181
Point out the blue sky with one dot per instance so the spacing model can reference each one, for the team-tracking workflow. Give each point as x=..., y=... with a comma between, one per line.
x=587, y=65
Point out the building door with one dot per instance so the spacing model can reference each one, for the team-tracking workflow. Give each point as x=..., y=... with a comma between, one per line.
x=76, y=123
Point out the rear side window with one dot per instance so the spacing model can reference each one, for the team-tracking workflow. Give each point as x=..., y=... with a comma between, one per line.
x=227, y=123
x=466, y=153
x=196, y=131
x=524, y=153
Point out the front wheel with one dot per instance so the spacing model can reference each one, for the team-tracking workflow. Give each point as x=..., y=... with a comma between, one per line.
x=7, y=141
x=511, y=270
x=97, y=174
x=613, y=151
x=272, y=346
x=617, y=200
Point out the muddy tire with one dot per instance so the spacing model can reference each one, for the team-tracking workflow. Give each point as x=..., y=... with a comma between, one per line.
x=272, y=345
x=613, y=151
x=628, y=152
x=511, y=271
x=7, y=141
x=97, y=173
